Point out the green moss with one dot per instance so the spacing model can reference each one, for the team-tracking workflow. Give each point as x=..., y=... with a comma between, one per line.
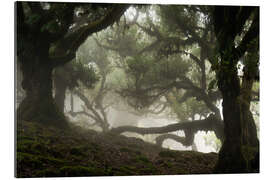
x=109, y=171
x=25, y=142
x=148, y=170
x=124, y=170
x=77, y=151
x=169, y=164
x=183, y=171
x=145, y=166
x=43, y=111
x=37, y=161
x=31, y=146
x=50, y=114
x=55, y=153
x=22, y=148
x=21, y=138
x=48, y=173
x=199, y=159
x=23, y=145
x=141, y=158
x=94, y=147
x=124, y=149
x=40, y=148
x=169, y=154
x=135, y=146
x=28, y=160
x=52, y=160
x=137, y=152
x=249, y=154
x=80, y=171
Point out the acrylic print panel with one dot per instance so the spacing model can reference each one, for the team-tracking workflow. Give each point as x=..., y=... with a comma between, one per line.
x=107, y=89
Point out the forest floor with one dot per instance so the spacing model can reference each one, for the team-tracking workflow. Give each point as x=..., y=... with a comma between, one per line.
x=49, y=152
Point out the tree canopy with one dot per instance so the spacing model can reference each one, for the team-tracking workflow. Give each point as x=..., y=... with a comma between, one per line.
x=185, y=64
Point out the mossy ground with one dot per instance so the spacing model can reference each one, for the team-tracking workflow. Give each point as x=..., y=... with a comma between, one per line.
x=49, y=152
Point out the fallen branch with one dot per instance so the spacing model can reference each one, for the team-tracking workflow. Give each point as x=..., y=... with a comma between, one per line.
x=211, y=123
x=161, y=138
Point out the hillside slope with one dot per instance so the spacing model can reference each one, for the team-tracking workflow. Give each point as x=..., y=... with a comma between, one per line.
x=49, y=152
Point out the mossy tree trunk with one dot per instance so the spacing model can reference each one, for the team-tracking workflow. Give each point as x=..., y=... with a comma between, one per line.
x=250, y=137
x=36, y=67
x=239, y=127
x=231, y=159
x=60, y=87
x=38, y=105
x=240, y=146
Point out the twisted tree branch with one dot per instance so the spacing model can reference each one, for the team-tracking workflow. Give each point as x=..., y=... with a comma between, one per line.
x=65, y=49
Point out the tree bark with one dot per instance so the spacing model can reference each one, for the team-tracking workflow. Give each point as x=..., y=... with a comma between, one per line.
x=208, y=124
x=231, y=159
x=60, y=92
x=250, y=137
x=99, y=117
x=60, y=95
x=33, y=54
x=240, y=146
x=183, y=140
x=239, y=127
x=39, y=105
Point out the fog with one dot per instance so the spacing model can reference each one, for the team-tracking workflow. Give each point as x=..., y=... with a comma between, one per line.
x=117, y=118
x=114, y=98
x=136, y=89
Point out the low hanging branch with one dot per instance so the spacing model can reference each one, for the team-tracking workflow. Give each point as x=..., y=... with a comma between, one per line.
x=86, y=114
x=163, y=137
x=99, y=117
x=211, y=123
x=66, y=50
x=186, y=141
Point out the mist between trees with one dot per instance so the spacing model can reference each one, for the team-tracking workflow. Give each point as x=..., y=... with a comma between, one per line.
x=183, y=77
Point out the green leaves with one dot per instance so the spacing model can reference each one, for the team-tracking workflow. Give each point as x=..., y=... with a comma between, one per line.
x=212, y=84
x=33, y=19
x=51, y=26
x=74, y=72
x=85, y=74
x=139, y=64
